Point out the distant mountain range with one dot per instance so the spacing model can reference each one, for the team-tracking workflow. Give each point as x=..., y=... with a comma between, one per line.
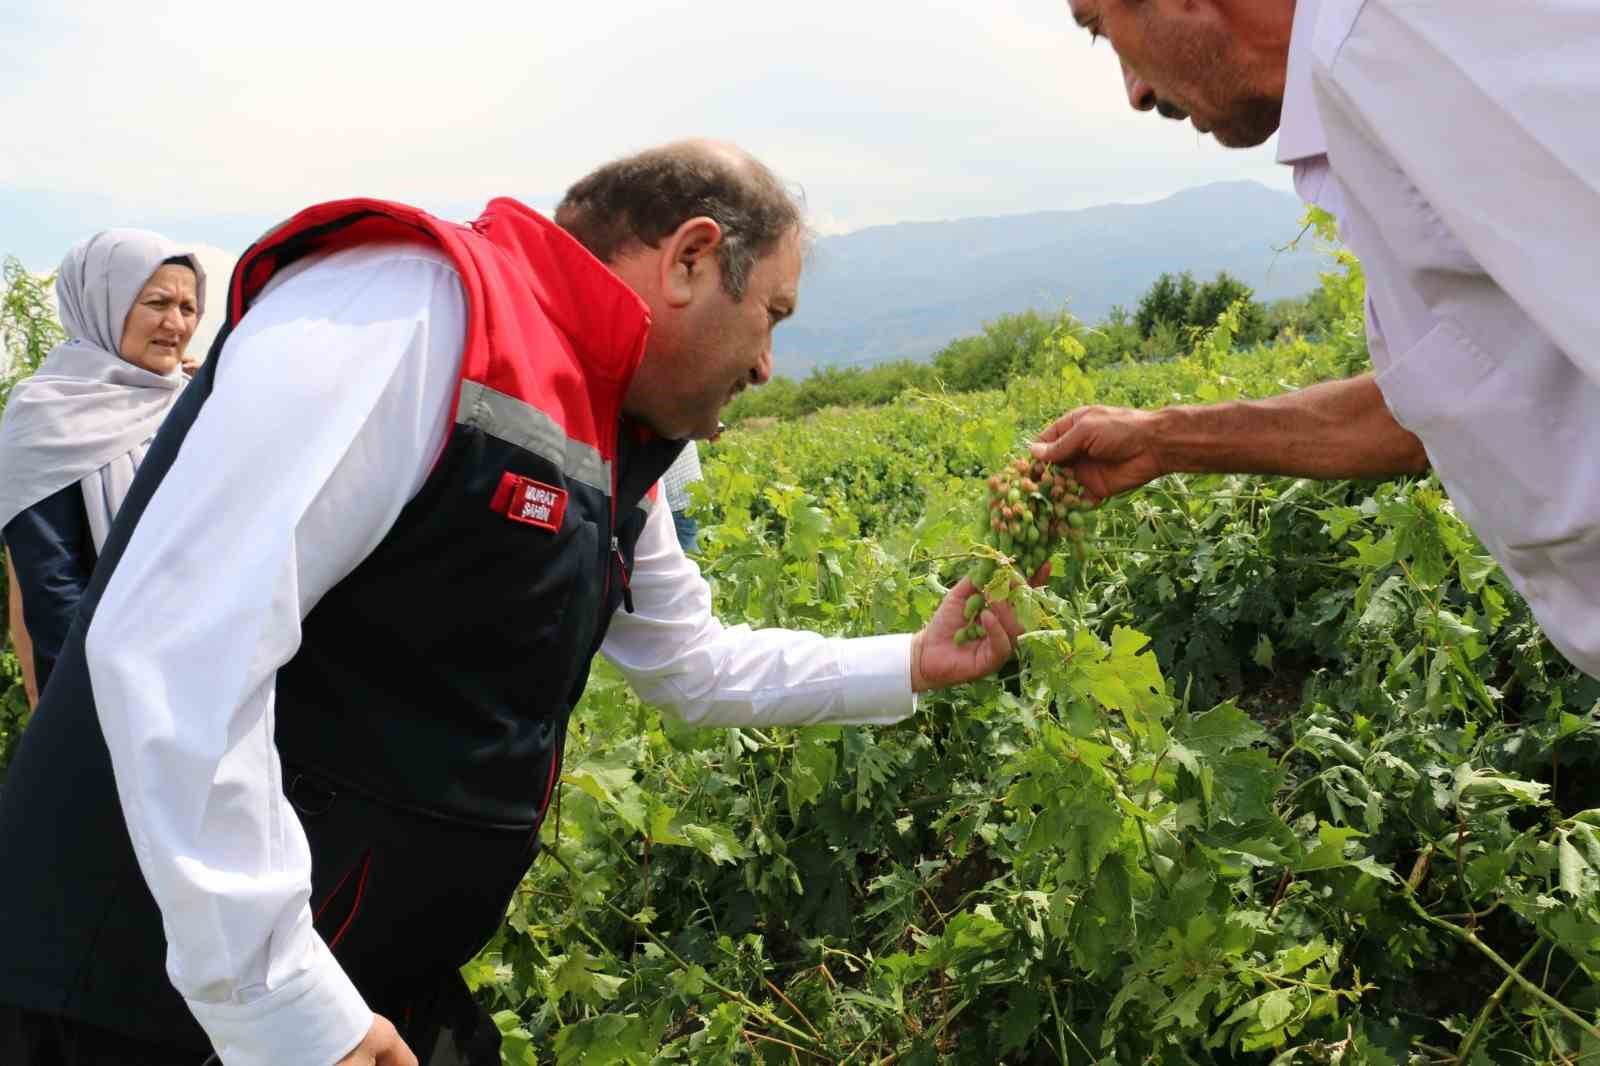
x=906, y=290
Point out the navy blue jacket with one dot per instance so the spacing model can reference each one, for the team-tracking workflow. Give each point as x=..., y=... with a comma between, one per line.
x=52, y=556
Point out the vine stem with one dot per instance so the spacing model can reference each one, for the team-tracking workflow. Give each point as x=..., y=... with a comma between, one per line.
x=1062, y=1028
x=1144, y=831
x=730, y=994
x=790, y=1004
x=792, y=1048
x=1471, y=1039
x=1512, y=973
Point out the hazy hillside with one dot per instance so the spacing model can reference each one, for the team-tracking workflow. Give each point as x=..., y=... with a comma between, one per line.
x=905, y=290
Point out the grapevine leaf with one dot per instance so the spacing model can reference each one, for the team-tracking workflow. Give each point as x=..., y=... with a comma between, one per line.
x=613, y=786
x=815, y=763
x=715, y=842
x=606, y=1040
x=1223, y=728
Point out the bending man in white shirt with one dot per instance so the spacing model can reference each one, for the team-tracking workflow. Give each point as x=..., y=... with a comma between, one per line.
x=332, y=645
x=1466, y=177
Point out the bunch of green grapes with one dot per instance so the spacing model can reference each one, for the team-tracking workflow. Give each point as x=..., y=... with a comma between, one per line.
x=1033, y=507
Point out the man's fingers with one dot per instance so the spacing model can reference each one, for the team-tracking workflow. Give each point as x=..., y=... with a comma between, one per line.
x=999, y=642
x=1058, y=427
x=1064, y=448
x=1000, y=622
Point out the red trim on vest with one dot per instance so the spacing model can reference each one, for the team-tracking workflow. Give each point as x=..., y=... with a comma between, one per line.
x=361, y=890
x=547, y=323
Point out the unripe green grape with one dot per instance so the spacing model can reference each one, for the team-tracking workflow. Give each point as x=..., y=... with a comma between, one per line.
x=1032, y=511
x=974, y=606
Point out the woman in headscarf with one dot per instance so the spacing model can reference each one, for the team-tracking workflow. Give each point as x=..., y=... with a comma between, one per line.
x=74, y=433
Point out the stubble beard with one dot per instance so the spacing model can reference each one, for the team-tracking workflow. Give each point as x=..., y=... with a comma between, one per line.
x=1254, y=120
x=1248, y=116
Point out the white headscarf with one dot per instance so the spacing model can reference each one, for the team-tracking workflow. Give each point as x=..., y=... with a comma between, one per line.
x=88, y=415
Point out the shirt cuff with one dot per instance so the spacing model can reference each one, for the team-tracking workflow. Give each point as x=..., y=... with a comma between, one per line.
x=877, y=676
x=316, y=1019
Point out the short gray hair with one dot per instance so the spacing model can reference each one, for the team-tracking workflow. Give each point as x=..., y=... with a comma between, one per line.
x=644, y=198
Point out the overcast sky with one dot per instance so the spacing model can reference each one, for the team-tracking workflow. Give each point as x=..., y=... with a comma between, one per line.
x=210, y=119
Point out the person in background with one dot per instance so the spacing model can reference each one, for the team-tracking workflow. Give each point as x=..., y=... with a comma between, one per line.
x=684, y=471
x=74, y=433
x=1466, y=177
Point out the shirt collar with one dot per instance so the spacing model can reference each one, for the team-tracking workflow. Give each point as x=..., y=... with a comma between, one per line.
x=1300, y=133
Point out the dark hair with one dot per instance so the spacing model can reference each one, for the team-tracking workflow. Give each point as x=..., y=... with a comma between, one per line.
x=179, y=261
x=646, y=197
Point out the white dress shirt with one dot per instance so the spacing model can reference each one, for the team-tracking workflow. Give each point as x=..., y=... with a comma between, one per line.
x=1457, y=142
x=684, y=471
x=333, y=400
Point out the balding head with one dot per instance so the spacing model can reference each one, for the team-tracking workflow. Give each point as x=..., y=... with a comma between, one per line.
x=646, y=197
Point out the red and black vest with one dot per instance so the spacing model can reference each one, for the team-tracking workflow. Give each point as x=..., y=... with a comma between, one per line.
x=452, y=655
x=437, y=678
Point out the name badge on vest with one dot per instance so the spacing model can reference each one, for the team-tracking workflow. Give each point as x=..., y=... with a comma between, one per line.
x=534, y=503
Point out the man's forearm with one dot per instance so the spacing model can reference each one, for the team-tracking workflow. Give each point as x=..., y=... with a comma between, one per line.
x=1338, y=429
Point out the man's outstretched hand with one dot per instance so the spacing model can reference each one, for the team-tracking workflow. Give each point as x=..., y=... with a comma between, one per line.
x=382, y=1046
x=937, y=661
x=1108, y=449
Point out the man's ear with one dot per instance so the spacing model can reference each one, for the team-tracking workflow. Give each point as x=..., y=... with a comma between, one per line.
x=689, y=260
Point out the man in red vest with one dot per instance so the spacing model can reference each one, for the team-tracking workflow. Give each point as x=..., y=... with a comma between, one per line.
x=333, y=642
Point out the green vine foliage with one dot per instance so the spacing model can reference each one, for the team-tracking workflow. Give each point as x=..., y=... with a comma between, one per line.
x=1286, y=773
x=28, y=330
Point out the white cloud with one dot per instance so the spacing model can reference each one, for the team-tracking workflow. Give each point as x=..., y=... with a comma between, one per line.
x=882, y=110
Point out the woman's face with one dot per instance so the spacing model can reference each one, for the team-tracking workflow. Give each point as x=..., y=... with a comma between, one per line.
x=161, y=320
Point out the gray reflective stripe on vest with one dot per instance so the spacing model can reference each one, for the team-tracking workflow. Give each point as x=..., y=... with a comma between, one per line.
x=519, y=422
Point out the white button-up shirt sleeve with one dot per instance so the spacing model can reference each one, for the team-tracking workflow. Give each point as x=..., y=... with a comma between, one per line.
x=1489, y=109
x=330, y=404
x=675, y=654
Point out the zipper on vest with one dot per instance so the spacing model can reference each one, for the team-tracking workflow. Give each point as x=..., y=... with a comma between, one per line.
x=622, y=566
x=616, y=547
